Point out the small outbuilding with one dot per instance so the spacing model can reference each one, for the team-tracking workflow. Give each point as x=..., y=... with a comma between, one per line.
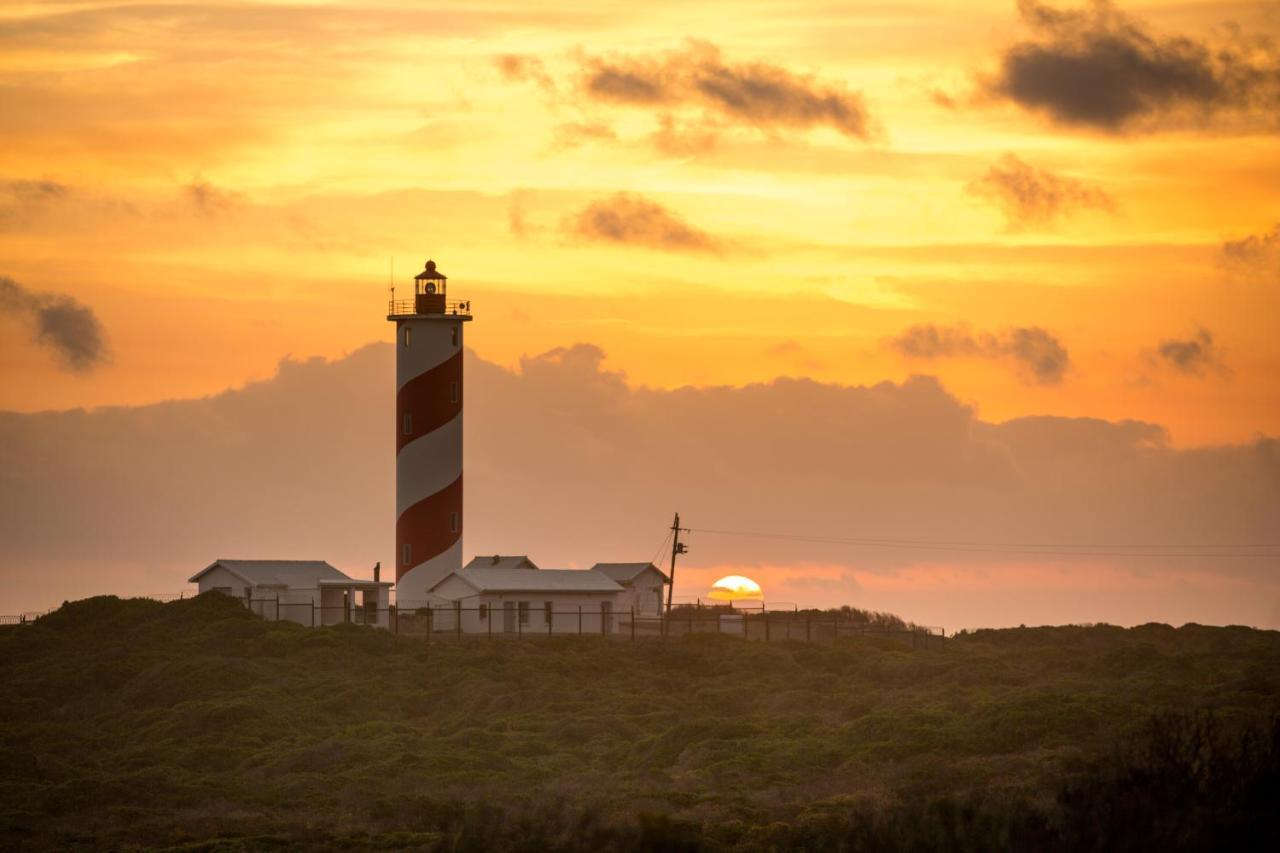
x=310, y=592
x=642, y=585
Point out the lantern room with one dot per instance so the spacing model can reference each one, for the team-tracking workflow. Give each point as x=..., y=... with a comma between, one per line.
x=428, y=290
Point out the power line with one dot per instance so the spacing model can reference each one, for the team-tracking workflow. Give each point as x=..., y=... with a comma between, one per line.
x=1010, y=547
x=661, y=547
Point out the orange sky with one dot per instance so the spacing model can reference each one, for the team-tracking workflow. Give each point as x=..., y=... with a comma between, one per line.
x=233, y=180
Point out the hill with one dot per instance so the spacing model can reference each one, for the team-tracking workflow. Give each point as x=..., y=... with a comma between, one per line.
x=195, y=724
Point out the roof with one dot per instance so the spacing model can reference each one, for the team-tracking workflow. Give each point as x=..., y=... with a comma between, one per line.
x=543, y=580
x=303, y=574
x=430, y=273
x=499, y=561
x=626, y=572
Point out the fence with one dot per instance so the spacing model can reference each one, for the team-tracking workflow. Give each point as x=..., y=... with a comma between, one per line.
x=525, y=620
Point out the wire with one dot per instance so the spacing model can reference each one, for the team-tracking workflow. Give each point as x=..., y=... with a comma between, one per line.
x=657, y=553
x=1007, y=548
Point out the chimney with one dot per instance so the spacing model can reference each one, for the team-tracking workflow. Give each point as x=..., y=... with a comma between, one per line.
x=377, y=571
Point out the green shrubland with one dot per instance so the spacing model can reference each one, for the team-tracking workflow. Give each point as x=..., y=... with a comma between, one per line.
x=196, y=725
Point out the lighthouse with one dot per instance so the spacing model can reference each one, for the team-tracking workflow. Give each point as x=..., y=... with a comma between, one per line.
x=428, y=435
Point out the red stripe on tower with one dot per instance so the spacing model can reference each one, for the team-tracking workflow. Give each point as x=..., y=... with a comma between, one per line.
x=428, y=436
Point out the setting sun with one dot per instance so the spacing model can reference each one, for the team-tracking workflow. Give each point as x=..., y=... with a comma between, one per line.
x=736, y=588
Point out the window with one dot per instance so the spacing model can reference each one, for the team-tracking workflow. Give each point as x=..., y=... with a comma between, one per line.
x=406, y=554
x=453, y=522
x=453, y=392
x=523, y=609
x=408, y=423
x=547, y=611
x=455, y=336
x=408, y=335
x=484, y=612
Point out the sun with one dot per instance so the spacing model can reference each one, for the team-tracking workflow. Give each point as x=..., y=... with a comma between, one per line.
x=736, y=588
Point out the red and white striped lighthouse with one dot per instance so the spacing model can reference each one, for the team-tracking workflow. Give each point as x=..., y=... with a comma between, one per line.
x=428, y=435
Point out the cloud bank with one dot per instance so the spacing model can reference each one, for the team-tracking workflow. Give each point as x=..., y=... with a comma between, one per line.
x=569, y=463
x=1039, y=356
x=1101, y=69
x=58, y=322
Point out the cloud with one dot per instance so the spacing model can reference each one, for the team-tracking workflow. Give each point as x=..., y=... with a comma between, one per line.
x=58, y=322
x=633, y=220
x=525, y=68
x=1257, y=254
x=1194, y=356
x=597, y=466
x=1101, y=69
x=756, y=93
x=695, y=95
x=1040, y=357
x=1034, y=198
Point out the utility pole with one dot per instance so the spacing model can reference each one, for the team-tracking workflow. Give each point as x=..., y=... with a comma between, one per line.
x=677, y=547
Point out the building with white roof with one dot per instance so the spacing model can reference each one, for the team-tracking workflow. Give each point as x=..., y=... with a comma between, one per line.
x=498, y=600
x=310, y=592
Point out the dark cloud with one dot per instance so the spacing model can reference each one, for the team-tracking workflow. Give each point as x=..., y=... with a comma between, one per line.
x=1195, y=355
x=756, y=93
x=1031, y=197
x=58, y=322
x=695, y=93
x=1102, y=69
x=634, y=220
x=1255, y=254
x=594, y=471
x=1040, y=357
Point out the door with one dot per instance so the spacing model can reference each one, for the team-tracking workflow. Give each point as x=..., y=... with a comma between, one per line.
x=606, y=617
x=509, y=617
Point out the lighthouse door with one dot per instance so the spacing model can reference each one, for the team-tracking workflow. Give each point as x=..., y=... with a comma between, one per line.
x=509, y=617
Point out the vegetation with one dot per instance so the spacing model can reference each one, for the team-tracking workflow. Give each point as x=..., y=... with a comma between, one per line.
x=197, y=726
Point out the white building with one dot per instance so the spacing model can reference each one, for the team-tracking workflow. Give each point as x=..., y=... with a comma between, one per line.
x=642, y=586
x=310, y=592
x=522, y=600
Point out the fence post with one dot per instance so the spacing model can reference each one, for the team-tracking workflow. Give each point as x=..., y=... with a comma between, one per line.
x=633, y=624
x=457, y=619
x=808, y=628
x=551, y=617
x=579, y=620
x=313, y=611
x=277, y=607
x=430, y=619
x=519, y=624
x=766, y=626
x=488, y=620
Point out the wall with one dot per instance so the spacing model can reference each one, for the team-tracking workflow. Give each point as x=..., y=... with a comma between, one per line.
x=564, y=621
x=220, y=577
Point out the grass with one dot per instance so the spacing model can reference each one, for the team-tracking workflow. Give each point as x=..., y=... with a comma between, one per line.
x=195, y=725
